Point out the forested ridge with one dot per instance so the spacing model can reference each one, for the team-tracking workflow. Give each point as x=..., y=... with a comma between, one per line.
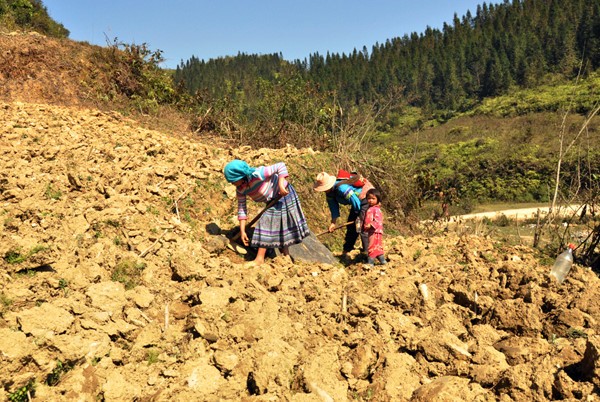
x=515, y=43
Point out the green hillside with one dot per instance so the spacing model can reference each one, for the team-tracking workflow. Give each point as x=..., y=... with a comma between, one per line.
x=479, y=107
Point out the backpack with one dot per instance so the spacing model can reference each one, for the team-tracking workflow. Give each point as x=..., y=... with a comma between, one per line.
x=354, y=179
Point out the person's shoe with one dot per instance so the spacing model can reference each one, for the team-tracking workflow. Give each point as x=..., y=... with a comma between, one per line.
x=344, y=258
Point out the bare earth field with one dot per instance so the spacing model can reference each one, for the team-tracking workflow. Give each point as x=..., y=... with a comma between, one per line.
x=113, y=289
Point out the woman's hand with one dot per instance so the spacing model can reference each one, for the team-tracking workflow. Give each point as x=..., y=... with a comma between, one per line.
x=245, y=239
x=243, y=234
x=331, y=227
x=283, y=191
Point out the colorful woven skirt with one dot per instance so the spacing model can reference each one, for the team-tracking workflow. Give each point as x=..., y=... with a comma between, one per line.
x=281, y=225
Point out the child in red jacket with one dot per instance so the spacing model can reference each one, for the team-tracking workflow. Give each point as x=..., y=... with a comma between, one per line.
x=373, y=225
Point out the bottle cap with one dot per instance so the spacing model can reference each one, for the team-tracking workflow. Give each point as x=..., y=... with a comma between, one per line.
x=571, y=246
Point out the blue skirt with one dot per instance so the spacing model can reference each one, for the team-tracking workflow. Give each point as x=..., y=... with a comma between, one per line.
x=281, y=225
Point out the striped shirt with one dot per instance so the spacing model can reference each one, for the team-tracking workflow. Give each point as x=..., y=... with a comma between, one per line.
x=262, y=187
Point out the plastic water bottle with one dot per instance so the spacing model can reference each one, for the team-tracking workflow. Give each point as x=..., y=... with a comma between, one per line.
x=563, y=264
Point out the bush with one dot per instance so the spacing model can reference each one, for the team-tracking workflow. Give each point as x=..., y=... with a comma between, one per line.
x=134, y=72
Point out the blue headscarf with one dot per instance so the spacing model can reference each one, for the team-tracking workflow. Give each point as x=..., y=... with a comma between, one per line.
x=237, y=170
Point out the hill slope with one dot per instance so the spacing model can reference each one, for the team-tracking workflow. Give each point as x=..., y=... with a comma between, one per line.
x=114, y=288
x=34, y=68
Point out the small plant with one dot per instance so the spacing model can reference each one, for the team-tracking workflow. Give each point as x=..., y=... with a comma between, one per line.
x=54, y=377
x=63, y=284
x=36, y=249
x=24, y=393
x=4, y=300
x=488, y=257
x=16, y=256
x=51, y=193
x=5, y=303
x=152, y=356
x=113, y=223
x=188, y=202
x=417, y=254
x=117, y=241
x=576, y=333
x=128, y=272
x=27, y=272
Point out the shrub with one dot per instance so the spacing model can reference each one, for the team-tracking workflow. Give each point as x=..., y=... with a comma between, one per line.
x=134, y=72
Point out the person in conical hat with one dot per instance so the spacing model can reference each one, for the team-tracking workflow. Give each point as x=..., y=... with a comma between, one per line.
x=339, y=192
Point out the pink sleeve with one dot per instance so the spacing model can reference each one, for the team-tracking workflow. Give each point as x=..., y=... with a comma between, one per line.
x=242, y=208
x=368, y=217
x=378, y=220
x=279, y=168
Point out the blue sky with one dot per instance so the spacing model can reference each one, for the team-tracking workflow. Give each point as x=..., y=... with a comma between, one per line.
x=216, y=28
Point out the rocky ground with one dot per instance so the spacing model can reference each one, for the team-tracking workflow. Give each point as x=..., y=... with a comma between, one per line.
x=115, y=287
x=108, y=290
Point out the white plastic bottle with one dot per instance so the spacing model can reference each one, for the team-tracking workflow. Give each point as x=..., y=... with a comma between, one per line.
x=563, y=264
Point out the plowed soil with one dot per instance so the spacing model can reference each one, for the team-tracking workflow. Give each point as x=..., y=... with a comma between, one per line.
x=115, y=285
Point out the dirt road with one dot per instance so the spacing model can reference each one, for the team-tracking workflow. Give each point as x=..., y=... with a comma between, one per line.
x=519, y=213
